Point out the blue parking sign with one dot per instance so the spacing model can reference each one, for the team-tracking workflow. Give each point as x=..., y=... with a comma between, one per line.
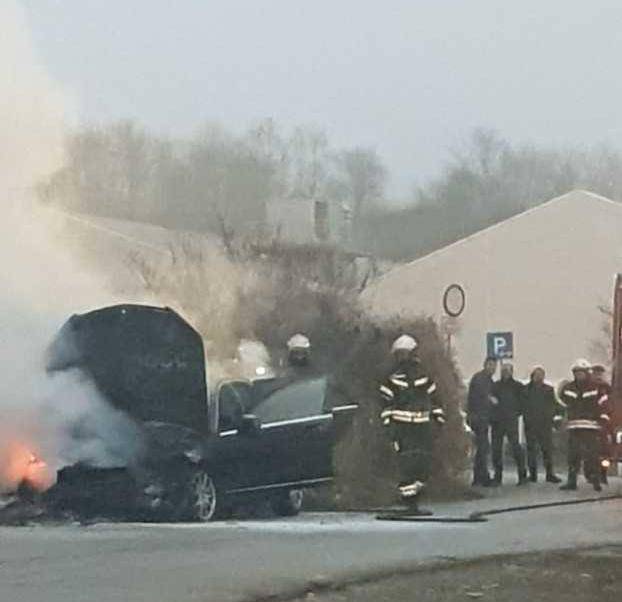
x=500, y=345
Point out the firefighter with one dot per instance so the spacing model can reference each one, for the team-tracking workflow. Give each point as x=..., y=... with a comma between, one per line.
x=508, y=393
x=581, y=396
x=606, y=431
x=541, y=412
x=298, y=363
x=298, y=351
x=410, y=406
x=479, y=407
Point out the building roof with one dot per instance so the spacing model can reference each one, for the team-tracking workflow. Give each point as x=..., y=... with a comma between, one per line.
x=543, y=274
x=573, y=196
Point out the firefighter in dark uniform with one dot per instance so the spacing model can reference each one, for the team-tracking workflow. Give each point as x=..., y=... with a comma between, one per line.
x=299, y=352
x=584, y=414
x=298, y=362
x=410, y=407
x=606, y=431
x=541, y=412
x=508, y=393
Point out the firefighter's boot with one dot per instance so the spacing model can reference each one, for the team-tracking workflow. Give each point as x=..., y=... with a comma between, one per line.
x=571, y=483
x=551, y=477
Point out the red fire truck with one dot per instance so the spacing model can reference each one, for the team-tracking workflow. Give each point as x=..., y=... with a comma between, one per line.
x=616, y=366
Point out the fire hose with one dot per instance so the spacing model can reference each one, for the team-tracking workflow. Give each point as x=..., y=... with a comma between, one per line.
x=482, y=516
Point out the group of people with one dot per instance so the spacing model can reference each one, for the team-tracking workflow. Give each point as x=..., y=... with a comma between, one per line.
x=494, y=408
x=410, y=409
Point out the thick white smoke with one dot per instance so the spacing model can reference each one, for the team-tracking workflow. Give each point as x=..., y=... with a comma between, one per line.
x=41, y=283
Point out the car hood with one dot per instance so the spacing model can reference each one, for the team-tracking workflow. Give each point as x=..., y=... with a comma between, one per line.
x=166, y=440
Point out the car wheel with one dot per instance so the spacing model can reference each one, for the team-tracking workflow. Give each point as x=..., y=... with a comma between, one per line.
x=201, y=497
x=288, y=503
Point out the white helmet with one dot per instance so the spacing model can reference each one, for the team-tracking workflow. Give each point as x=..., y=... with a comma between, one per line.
x=298, y=341
x=581, y=364
x=404, y=343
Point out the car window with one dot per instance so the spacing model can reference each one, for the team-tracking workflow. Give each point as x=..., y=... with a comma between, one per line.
x=298, y=400
x=233, y=399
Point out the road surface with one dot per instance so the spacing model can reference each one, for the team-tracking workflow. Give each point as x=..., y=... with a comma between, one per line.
x=235, y=561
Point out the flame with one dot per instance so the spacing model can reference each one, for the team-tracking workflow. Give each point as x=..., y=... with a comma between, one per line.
x=19, y=463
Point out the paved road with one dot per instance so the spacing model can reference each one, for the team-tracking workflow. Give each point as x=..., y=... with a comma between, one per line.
x=237, y=560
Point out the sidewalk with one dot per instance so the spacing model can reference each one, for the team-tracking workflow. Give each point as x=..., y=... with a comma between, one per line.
x=509, y=495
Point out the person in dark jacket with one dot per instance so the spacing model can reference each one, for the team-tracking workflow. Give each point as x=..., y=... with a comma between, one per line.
x=410, y=407
x=541, y=411
x=479, y=406
x=584, y=414
x=508, y=393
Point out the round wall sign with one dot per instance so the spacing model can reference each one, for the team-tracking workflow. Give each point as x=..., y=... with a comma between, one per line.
x=454, y=300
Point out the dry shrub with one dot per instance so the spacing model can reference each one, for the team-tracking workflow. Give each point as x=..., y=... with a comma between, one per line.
x=197, y=279
x=274, y=291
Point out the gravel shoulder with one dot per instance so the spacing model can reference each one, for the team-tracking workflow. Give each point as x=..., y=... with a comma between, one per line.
x=573, y=575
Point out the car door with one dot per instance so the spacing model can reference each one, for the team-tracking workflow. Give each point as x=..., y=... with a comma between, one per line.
x=240, y=455
x=298, y=431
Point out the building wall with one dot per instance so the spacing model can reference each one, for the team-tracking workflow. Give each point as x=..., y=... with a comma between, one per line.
x=541, y=274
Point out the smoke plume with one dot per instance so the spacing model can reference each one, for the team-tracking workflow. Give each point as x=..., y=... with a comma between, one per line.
x=42, y=284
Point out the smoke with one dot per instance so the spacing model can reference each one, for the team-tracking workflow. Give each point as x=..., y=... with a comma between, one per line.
x=42, y=284
x=254, y=359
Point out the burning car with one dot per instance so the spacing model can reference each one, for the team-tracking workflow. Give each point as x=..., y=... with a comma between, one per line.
x=195, y=455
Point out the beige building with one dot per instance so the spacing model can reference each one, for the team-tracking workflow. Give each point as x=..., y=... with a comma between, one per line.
x=542, y=275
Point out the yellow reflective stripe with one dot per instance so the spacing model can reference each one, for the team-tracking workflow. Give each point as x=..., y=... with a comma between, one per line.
x=583, y=424
x=386, y=391
x=411, y=419
x=406, y=416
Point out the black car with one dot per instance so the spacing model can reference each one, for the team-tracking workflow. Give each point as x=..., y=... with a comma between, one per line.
x=195, y=456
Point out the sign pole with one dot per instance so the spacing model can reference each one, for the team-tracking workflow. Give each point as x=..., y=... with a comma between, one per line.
x=454, y=302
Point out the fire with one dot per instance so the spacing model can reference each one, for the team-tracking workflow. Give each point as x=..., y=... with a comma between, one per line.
x=19, y=463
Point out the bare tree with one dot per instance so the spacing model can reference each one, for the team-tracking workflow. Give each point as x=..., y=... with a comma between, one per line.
x=364, y=177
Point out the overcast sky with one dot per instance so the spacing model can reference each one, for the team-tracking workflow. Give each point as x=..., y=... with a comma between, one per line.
x=409, y=77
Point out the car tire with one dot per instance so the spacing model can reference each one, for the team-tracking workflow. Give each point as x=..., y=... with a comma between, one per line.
x=201, y=497
x=287, y=503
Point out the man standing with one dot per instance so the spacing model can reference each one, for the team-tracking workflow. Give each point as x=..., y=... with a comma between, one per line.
x=541, y=411
x=504, y=422
x=580, y=396
x=606, y=431
x=410, y=406
x=479, y=405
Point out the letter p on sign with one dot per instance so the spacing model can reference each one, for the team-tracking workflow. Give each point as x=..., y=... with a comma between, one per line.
x=500, y=345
